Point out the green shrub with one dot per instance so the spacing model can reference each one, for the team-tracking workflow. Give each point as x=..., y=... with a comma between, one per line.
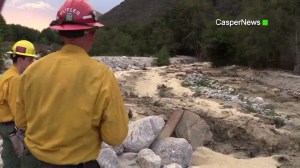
x=1, y=58
x=162, y=57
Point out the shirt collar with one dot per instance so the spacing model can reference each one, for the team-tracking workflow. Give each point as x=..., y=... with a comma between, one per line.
x=70, y=48
x=14, y=69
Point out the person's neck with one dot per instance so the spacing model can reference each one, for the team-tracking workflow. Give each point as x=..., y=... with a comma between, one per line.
x=19, y=68
x=77, y=43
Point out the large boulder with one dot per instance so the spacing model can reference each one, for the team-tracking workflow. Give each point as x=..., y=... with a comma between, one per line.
x=1, y=148
x=173, y=165
x=128, y=160
x=173, y=150
x=108, y=158
x=148, y=159
x=118, y=149
x=142, y=133
x=194, y=129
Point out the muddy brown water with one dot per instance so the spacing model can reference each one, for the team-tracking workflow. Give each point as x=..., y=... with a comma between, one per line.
x=242, y=136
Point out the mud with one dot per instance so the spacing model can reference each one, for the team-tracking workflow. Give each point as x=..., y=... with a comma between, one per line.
x=236, y=131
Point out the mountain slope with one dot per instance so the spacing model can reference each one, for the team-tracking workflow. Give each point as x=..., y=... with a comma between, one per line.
x=137, y=11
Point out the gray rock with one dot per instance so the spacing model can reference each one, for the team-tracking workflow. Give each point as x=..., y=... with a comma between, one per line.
x=107, y=158
x=142, y=133
x=194, y=129
x=1, y=148
x=258, y=100
x=105, y=145
x=128, y=160
x=118, y=63
x=148, y=159
x=173, y=150
x=173, y=165
x=118, y=149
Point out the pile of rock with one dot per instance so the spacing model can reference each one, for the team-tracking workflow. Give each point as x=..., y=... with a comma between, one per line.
x=210, y=88
x=141, y=149
x=286, y=82
x=1, y=148
x=119, y=63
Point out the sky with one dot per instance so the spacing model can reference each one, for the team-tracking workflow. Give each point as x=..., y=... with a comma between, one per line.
x=38, y=14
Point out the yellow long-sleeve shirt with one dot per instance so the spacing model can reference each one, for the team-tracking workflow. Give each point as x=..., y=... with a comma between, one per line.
x=9, y=86
x=68, y=104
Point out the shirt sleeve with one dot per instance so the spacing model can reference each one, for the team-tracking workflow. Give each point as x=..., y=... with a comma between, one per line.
x=20, y=119
x=12, y=95
x=114, y=119
x=4, y=92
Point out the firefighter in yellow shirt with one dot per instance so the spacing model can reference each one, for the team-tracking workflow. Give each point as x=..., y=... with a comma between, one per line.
x=69, y=103
x=22, y=54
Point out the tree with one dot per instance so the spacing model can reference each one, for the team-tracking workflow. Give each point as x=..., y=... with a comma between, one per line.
x=268, y=46
x=162, y=57
x=18, y=32
x=2, y=33
x=48, y=36
x=2, y=27
x=297, y=39
x=190, y=29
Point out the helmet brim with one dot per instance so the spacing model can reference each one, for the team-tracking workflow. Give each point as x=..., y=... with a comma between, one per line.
x=76, y=26
x=22, y=54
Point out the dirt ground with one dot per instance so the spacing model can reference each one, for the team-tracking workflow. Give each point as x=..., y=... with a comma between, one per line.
x=241, y=138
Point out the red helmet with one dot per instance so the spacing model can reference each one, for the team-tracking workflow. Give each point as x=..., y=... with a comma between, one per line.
x=75, y=15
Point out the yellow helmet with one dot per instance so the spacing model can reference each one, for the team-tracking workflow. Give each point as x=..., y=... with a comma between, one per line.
x=24, y=48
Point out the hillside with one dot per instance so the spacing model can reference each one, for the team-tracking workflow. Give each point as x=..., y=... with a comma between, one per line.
x=136, y=11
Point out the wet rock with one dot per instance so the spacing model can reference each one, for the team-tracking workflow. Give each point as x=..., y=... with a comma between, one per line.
x=279, y=122
x=142, y=133
x=173, y=150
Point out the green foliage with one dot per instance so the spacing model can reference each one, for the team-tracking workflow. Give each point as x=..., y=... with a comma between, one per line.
x=2, y=33
x=18, y=32
x=2, y=27
x=221, y=48
x=11, y=33
x=48, y=36
x=265, y=46
x=186, y=83
x=188, y=27
x=162, y=57
x=204, y=82
x=254, y=46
